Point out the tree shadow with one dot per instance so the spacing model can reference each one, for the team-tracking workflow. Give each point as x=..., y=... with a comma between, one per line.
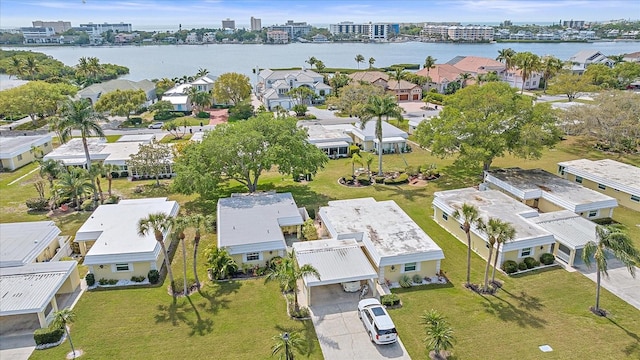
x=457, y=176
x=398, y=190
x=214, y=297
x=200, y=326
x=506, y=311
x=526, y=301
x=634, y=346
x=174, y=313
x=308, y=346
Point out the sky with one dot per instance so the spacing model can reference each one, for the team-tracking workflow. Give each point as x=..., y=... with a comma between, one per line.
x=145, y=14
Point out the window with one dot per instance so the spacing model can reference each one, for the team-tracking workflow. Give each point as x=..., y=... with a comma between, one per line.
x=561, y=170
x=579, y=179
x=602, y=187
x=525, y=252
x=122, y=267
x=410, y=267
x=19, y=157
x=635, y=198
x=445, y=216
x=593, y=213
x=254, y=256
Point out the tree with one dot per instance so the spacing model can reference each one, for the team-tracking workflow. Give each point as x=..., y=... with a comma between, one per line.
x=506, y=56
x=359, y=58
x=220, y=263
x=376, y=108
x=55, y=125
x=626, y=72
x=353, y=97
x=464, y=77
x=470, y=217
x=121, y=102
x=31, y=66
x=96, y=173
x=497, y=231
x=162, y=86
x=301, y=95
x=286, y=343
x=355, y=159
x=61, y=319
x=368, y=158
x=481, y=123
x=242, y=151
x=309, y=230
x=151, y=159
x=320, y=65
x=398, y=74
x=371, y=62
x=231, y=88
x=177, y=128
x=74, y=183
x=528, y=63
x=202, y=72
x=572, y=85
x=287, y=273
x=178, y=226
x=601, y=75
x=198, y=222
x=429, y=63
x=108, y=170
x=338, y=81
x=49, y=170
x=507, y=234
x=550, y=66
x=609, y=240
x=35, y=98
x=617, y=58
x=16, y=68
x=159, y=224
x=311, y=61
x=440, y=337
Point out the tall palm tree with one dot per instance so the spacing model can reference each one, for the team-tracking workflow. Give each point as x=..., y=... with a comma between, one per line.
x=198, y=222
x=202, y=72
x=108, y=170
x=79, y=115
x=55, y=125
x=613, y=240
x=31, y=66
x=359, y=58
x=74, y=183
x=528, y=63
x=96, y=173
x=377, y=107
x=179, y=225
x=286, y=343
x=429, y=63
x=371, y=62
x=550, y=66
x=311, y=61
x=287, y=273
x=17, y=67
x=159, y=224
x=61, y=319
x=95, y=68
x=463, y=79
x=469, y=214
x=506, y=56
x=398, y=74
x=493, y=228
x=49, y=170
x=507, y=234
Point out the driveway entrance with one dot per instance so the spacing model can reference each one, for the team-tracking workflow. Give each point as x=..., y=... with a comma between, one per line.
x=341, y=333
x=619, y=282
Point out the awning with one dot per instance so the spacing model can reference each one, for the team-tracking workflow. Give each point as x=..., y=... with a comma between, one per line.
x=73, y=161
x=332, y=144
x=393, y=139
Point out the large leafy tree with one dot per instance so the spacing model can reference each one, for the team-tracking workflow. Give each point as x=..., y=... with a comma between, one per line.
x=572, y=85
x=287, y=272
x=375, y=109
x=242, y=151
x=609, y=240
x=231, y=88
x=626, y=72
x=159, y=224
x=121, y=102
x=63, y=318
x=162, y=86
x=301, y=95
x=550, y=66
x=483, y=122
x=601, y=75
x=353, y=97
x=470, y=217
x=151, y=159
x=528, y=63
x=338, y=81
x=36, y=99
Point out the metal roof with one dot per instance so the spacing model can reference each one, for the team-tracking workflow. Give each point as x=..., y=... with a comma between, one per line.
x=21, y=243
x=337, y=261
x=568, y=228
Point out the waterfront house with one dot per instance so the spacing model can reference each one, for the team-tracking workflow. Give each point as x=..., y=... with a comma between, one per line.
x=582, y=59
x=17, y=151
x=403, y=90
x=95, y=91
x=441, y=75
x=273, y=86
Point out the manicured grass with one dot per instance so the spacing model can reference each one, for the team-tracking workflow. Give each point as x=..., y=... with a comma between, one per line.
x=191, y=121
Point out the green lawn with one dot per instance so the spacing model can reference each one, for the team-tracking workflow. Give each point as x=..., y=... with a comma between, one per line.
x=191, y=121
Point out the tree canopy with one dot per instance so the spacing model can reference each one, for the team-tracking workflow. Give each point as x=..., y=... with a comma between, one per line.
x=354, y=97
x=35, y=98
x=231, y=88
x=482, y=122
x=572, y=85
x=242, y=151
x=121, y=102
x=151, y=159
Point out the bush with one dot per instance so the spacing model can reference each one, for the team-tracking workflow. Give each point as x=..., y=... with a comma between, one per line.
x=390, y=300
x=178, y=283
x=509, y=266
x=309, y=230
x=354, y=149
x=135, y=120
x=113, y=199
x=203, y=115
x=161, y=116
x=531, y=262
x=402, y=178
x=412, y=171
x=547, y=258
x=91, y=279
x=37, y=204
x=522, y=266
x=364, y=179
x=417, y=279
x=48, y=335
x=87, y=205
x=379, y=179
x=405, y=281
x=138, y=279
x=153, y=276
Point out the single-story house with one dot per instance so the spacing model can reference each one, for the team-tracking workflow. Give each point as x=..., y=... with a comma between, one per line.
x=95, y=91
x=256, y=227
x=392, y=241
x=547, y=192
x=139, y=138
x=609, y=177
x=110, y=243
x=31, y=242
x=394, y=140
x=334, y=142
x=530, y=239
x=337, y=261
x=17, y=151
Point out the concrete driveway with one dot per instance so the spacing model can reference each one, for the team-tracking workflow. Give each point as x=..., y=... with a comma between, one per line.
x=341, y=333
x=17, y=347
x=619, y=282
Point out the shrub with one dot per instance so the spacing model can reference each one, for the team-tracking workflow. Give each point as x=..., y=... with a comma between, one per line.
x=178, y=283
x=354, y=149
x=48, y=335
x=412, y=171
x=37, y=204
x=138, y=279
x=104, y=281
x=522, y=266
x=547, y=258
x=135, y=120
x=91, y=279
x=203, y=115
x=87, y=205
x=312, y=213
x=161, y=116
x=379, y=179
x=405, y=281
x=509, y=266
x=113, y=199
x=400, y=179
x=153, y=276
x=417, y=279
x=309, y=230
x=364, y=179
x=531, y=262
x=390, y=300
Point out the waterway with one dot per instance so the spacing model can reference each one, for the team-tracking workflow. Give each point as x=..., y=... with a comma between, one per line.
x=158, y=61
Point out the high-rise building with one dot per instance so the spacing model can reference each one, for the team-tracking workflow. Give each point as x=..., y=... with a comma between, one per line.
x=574, y=24
x=256, y=24
x=374, y=31
x=294, y=29
x=229, y=24
x=58, y=26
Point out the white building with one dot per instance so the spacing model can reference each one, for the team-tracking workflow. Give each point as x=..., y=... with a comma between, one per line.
x=273, y=86
x=17, y=151
x=394, y=140
x=582, y=59
x=333, y=141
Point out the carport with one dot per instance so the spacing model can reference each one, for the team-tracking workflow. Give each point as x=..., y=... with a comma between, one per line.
x=337, y=261
x=571, y=231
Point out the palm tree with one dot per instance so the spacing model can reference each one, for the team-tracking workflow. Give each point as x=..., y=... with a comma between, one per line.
x=528, y=63
x=74, y=183
x=371, y=62
x=287, y=273
x=17, y=67
x=506, y=56
x=398, y=74
x=359, y=58
x=613, y=240
x=96, y=173
x=108, y=170
x=550, y=66
x=463, y=79
x=61, y=319
x=429, y=63
x=507, y=234
x=311, y=61
x=220, y=263
x=79, y=115
x=368, y=158
x=159, y=224
x=31, y=66
x=95, y=67
x=55, y=125
x=355, y=159
x=198, y=222
x=49, y=170
x=469, y=214
x=493, y=229
x=377, y=107
x=320, y=65
x=616, y=58
x=179, y=225
x=287, y=342
x=440, y=339
x=202, y=72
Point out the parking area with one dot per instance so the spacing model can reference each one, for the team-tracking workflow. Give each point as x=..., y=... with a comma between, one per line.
x=341, y=333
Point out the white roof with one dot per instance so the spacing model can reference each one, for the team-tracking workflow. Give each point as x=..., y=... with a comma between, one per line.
x=537, y=183
x=21, y=243
x=176, y=99
x=608, y=172
x=251, y=222
x=30, y=288
x=393, y=139
x=369, y=131
x=569, y=228
x=336, y=260
x=332, y=144
x=145, y=138
x=389, y=234
x=320, y=134
x=72, y=153
x=493, y=203
x=11, y=146
x=114, y=228
x=176, y=90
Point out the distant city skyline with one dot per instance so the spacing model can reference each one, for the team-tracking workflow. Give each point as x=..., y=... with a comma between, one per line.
x=145, y=14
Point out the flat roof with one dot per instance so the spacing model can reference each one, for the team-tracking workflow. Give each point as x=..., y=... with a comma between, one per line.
x=569, y=228
x=337, y=261
x=384, y=224
x=72, y=153
x=369, y=131
x=21, y=243
x=608, y=172
x=11, y=146
x=114, y=228
x=321, y=134
x=74, y=148
x=536, y=183
x=255, y=218
x=146, y=138
x=29, y=288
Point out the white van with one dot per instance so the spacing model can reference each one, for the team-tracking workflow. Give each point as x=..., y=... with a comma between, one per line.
x=377, y=322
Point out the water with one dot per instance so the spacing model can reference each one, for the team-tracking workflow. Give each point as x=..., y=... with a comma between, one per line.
x=158, y=61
